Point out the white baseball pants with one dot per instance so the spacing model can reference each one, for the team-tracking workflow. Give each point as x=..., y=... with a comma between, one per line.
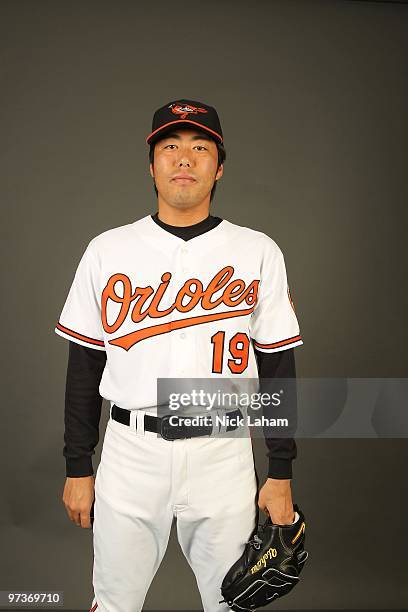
x=142, y=482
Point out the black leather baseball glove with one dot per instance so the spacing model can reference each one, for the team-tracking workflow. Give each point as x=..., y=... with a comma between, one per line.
x=269, y=566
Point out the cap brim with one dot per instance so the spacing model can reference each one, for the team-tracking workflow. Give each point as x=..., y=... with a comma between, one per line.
x=168, y=127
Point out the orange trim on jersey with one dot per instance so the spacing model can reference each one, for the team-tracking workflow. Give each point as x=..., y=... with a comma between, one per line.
x=276, y=344
x=94, y=608
x=290, y=300
x=200, y=125
x=74, y=334
x=128, y=340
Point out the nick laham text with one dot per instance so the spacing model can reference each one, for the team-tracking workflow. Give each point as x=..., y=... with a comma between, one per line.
x=226, y=420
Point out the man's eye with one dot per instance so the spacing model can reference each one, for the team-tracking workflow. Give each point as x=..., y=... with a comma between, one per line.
x=201, y=147
x=169, y=145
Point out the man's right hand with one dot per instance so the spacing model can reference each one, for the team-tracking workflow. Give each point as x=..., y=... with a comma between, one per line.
x=78, y=496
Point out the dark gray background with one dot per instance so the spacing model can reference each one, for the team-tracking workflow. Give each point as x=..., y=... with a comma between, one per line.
x=312, y=97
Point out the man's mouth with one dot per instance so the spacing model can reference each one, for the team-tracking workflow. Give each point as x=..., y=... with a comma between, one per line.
x=184, y=181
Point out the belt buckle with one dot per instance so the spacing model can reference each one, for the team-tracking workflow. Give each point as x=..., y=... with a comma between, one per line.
x=166, y=428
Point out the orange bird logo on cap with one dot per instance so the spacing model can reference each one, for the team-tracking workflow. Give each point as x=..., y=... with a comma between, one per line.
x=186, y=109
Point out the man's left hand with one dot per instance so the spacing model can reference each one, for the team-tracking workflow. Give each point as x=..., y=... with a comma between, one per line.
x=275, y=499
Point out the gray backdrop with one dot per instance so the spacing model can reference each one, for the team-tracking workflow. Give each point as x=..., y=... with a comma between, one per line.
x=312, y=96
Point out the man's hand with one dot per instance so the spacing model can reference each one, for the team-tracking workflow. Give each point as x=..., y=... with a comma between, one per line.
x=275, y=499
x=78, y=496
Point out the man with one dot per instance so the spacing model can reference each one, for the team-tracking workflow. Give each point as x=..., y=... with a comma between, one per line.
x=179, y=294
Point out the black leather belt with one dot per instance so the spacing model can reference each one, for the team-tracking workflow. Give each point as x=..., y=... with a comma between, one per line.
x=169, y=431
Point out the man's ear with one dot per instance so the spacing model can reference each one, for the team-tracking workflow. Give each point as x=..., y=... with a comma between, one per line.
x=220, y=172
x=151, y=170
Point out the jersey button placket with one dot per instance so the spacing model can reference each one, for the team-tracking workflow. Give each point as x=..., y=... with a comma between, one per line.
x=182, y=334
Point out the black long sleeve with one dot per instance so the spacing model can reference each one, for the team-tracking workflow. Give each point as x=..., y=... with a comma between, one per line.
x=282, y=451
x=82, y=408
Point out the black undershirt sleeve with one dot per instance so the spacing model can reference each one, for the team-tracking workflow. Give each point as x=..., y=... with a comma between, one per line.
x=281, y=451
x=82, y=408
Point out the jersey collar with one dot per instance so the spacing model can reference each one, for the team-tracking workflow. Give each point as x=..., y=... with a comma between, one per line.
x=156, y=234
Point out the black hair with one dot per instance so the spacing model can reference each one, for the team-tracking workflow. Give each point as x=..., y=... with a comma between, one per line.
x=221, y=158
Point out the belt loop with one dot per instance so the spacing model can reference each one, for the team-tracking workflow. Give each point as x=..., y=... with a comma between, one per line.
x=140, y=421
x=132, y=419
x=217, y=427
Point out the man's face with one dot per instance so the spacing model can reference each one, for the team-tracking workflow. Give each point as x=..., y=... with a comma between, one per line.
x=190, y=153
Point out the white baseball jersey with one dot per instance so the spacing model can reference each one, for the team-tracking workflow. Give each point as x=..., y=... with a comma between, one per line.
x=162, y=307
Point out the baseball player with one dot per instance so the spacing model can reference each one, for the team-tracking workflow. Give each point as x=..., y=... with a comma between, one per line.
x=176, y=294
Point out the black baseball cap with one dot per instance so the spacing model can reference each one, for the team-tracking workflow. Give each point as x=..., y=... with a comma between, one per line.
x=188, y=113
